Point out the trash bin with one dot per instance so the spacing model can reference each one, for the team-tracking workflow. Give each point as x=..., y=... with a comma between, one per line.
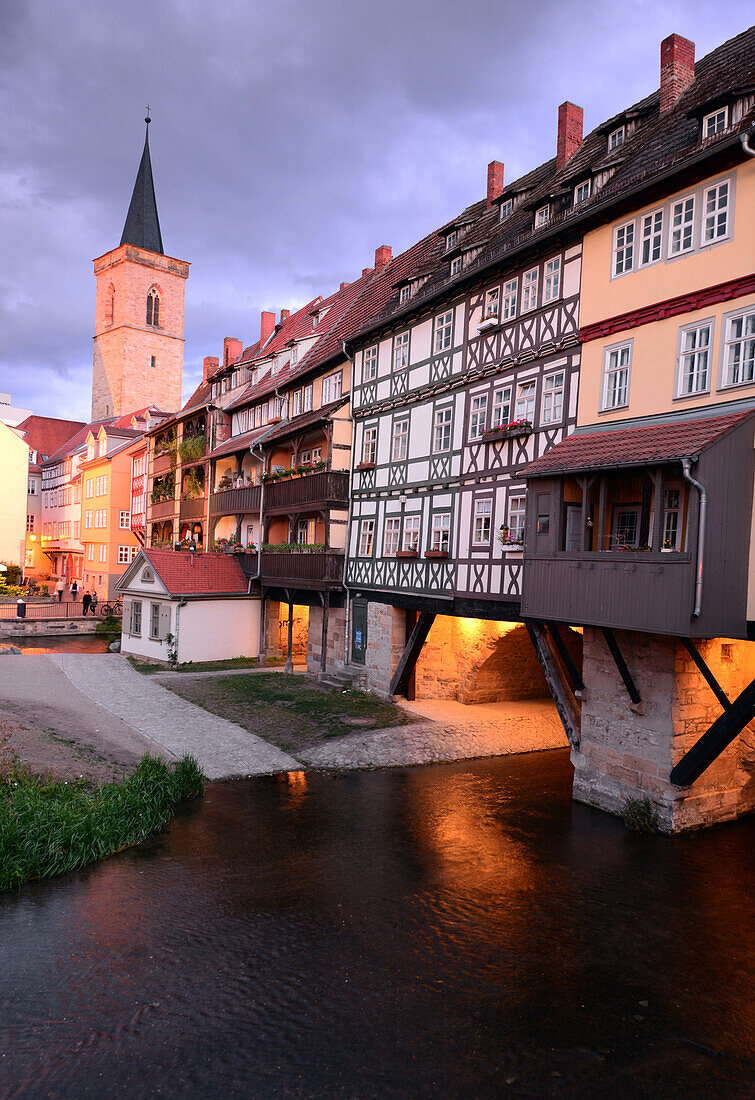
x=20, y=609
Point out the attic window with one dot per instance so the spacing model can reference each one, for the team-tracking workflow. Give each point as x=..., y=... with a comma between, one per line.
x=456, y=265
x=294, y=355
x=507, y=208
x=616, y=138
x=542, y=216
x=451, y=238
x=715, y=122
x=405, y=293
x=148, y=576
x=581, y=192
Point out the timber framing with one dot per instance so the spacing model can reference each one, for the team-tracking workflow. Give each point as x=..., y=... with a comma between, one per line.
x=715, y=739
x=621, y=665
x=412, y=650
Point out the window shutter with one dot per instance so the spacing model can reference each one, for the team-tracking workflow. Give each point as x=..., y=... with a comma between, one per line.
x=164, y=620
x=128, y=611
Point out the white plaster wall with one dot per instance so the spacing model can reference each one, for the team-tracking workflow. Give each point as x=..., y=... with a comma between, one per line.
x=14, y=470
x=213, y=630
x=142, y=645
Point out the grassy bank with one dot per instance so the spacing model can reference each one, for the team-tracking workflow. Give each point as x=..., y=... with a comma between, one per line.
x=47, y=828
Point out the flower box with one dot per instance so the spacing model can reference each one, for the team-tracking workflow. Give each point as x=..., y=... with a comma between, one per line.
x=488, y=323
x=362, y=466
x=507, y=431
x=436, y=554
x=406, y=553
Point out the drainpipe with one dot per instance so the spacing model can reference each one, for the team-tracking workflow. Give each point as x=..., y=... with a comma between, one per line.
x=181, y=603
x=700, y=534
x=348, y=522
x=745, y=141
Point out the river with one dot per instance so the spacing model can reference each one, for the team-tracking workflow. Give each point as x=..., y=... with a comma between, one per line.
x=461, y=930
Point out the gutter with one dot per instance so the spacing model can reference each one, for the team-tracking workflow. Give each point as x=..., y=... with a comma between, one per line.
x=686, y=463
x=744, y=139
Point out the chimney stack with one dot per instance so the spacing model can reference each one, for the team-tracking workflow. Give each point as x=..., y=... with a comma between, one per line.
x=495, y=181
x=267, y=327
x=232, y=349
x=383, y=256
x=285, y=314
x=209, y=366
x=569, y=133
x=677, y=69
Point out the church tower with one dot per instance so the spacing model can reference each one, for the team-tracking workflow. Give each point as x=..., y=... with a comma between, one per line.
x=139, y=315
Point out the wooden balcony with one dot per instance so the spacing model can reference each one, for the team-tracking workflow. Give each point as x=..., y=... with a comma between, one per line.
x=314, y=569
x=163, y=509
x=193, y=509
x=235, y=502
x=326, y=488
x=163, y=463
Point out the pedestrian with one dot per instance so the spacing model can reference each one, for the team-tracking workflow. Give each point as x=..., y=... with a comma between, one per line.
x=60, y=588
x=94, y=602
x=74, y=590
x=86, y=600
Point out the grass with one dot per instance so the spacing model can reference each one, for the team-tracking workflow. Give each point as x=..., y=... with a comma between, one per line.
x=290, y=711
x=111, y=625
x=47, y=828
x=150, y=667
x=639, y=815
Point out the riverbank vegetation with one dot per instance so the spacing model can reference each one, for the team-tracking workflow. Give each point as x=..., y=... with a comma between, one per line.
x=47, y=828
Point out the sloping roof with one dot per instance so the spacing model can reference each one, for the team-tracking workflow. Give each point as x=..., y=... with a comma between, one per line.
x=46, y=434
x=652, y=445
x=198, y=574
x=306, y=420
x=238, y=442
x=142, y=226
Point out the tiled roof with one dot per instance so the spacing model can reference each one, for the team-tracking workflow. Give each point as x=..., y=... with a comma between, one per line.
x=239, y=442
x=654, y=444
x=198, y=574
x=46, y=434
x=306, y=420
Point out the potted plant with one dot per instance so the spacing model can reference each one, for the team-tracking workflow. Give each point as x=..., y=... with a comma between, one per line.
x=406, y=553
x=489, y=321
x=436, y=554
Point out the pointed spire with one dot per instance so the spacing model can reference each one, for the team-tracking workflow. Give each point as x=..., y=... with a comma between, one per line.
x=142, y=226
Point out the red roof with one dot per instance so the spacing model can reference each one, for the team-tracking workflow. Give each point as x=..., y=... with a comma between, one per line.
x=46, y=434
x=238, y=442
x=198, y=574
x=654, y=444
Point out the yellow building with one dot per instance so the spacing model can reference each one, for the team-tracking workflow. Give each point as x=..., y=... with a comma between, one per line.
x=14, y=466
x=109, y=543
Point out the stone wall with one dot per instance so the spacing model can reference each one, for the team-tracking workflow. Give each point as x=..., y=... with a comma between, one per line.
x=334, y=642
x=276, y=629
x=628, y=751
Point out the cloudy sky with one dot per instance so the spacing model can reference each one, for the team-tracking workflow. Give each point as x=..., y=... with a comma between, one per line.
x=289, y=139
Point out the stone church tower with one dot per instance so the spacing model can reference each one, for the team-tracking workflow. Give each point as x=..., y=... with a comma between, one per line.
x=139, y=316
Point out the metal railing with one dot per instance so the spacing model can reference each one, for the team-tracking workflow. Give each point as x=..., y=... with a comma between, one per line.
x=67, y=609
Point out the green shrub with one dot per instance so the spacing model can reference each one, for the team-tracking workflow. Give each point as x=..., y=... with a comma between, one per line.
x=640, y=815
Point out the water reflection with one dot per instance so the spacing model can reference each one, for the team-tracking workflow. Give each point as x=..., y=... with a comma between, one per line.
x=461, y=930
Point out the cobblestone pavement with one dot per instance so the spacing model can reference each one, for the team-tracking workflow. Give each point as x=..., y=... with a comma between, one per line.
x=222, y=748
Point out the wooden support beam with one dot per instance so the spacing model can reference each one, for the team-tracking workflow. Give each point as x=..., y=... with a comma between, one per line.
x=576, y=680
x=565, y=704
x=405, y=667
x=715, y=739
x=621, y=664
x=707, y=675
x=325, y=600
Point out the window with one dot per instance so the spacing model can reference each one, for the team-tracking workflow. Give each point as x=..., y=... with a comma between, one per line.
x=32, y=487
x=616, y=138
x=153, y=309
x=694, y=359
x=671, y=526
x=411, y=533
x=87, y=519
x=444, y=325
x=136, y=617
x=483, y=511
x=100, y=518
x=456, y=265
x=124, y=554
x=369, y=371
x=404, y=294
x=493, y=302
x=369, y=444
x=30, y=523
x=715, y=122
x=525, y=401
x=154, y=620
x=623, y=249
x=366, y=534
x=582, y=192
x=103, y=551
x=552, y=280
x=651, y=237
x=29, y=559
x=509, y=299
x=153, y=364
x=517, y=507
x=401, y=351
x=501, y=407
x=553, y=398
x=478, y=416
x=90, y=551
x=507, y=208
x=682, y=221
x=715, y=213
x=77, y=528
x=616, y=376
x=400, y=440
x=317, y=454
x=90, y=487
x=391, y=536
x=440, y=531
x=124, y=520
x=739, y=349
x=626, y=525
x=529, y=289
x=331, y=387
x=451, y=238
x=101, y=487
x=305, y=532
x=542, y=215
x=442, y=429
x=307, y=398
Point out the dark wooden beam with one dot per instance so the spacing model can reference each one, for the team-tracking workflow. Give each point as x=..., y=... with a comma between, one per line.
x=621, y=664
x=707, y=675
x=563, y=652
x=715, y=739
x=412, y=650
x=565, y=703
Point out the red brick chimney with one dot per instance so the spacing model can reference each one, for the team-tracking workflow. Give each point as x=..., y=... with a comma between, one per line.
x=383, y=256
x=267, y=327
x=232, y=349
x=677, y=69
x=366, y=271
x=285, y=314
x=495, y=181
x=209, y=366
x=569, y=133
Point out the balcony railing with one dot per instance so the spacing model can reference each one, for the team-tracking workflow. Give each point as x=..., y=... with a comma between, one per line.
x=162, y=509
x=164, y=462
x=231, y=502
x=326, y=487
x=317, y=569
x=193, y=509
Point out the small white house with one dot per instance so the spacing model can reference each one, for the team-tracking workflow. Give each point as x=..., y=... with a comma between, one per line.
x=196, y=606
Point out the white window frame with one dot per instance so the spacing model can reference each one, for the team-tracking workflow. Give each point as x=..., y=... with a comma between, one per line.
x=552, y=279
x=90, y=487
x=331, y=387
x=135, y=627
x=154, y=622
x=616, y=138
x=400, y=439
x=442, y=422
x=456, y=265
x=552, y=402
x=369, y=443
x=366, y=537
x=401, y=351
x=526, y=392
x=90, y=551
x=685, y=208
x=296, y=403
x=713, y=118
x=690, y=357
x=483, y=521
x=517, y=510
x=530, y=286
x=492, y=306
x=405, y=294
x=478, y=416
x=622, y=252
x=672, y=506
x=542, y=216
x=124, y=555
x=510, y=293
x=507, y=209
x=651, y=235
x=103, y=552
x=613, y=365
x=712, y=228
x=32, y=487
x=451, y=238
x=443, y=331
x=411, y=532
x=440, y=532
x=307, y=398
x=87, y=519
x=501, y=401
x=370, y=363
x=582, y=192
x=124, y=520
x=729, y=342
x=391, y=536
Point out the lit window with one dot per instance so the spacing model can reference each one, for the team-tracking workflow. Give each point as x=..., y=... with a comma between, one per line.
x=529, y=290
x=682, y=221
x=411, y=533
x=715, y=122
x=444, y=331
x=581, y=192
x=400, y=440
x=553, y=398
x=651, y=243
x=509, y=299
x=153, y=309
x=507, y=208
x=616, y=138
x=517, y=507
x=451, y=238
x=124, y=520
x=525, y=401
x=405, y=294
x=366, y=534
x=623, y=249
x=483, y=511
x=542, y=216
x=616, y=376
x=501, y=407
x=369, y=444
x=694, y=356
x=401, y=351
x=440, y=531
x=552, y=280
x=739, y=349
x=492, y=302
x=456, y=265
x=715, y=213
x=442, y=429
x=391, y=536
x=369, y=371
x=478, y=416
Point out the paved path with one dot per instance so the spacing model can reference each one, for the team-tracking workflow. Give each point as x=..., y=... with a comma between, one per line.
x=222, y=748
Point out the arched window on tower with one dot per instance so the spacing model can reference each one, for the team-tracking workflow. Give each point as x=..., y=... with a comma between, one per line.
x=110, y=305
x=153, y=308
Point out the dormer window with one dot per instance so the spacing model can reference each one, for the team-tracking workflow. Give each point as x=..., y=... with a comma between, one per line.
x=294, y=355
x=542, y=216
x=507, y=209
x=715, y=122
x=451, y=238
x=616, y=138
x=582, y=192
x=456, y=265
x=405, y=293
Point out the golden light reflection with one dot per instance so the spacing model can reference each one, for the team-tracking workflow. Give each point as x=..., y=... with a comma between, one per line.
x=296, y=787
